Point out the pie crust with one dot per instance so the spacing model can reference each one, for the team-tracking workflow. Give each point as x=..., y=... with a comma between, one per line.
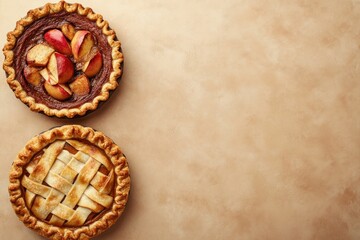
x=70, y=182
x=115, y=54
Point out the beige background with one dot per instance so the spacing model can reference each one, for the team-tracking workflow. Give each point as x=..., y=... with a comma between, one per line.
x=240, y=118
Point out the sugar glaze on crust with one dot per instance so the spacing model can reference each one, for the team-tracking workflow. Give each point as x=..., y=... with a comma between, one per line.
x=68, y=132
x=48, y=9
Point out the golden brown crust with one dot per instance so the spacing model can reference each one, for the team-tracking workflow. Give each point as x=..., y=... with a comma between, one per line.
x=122, y=183
x=38, y=13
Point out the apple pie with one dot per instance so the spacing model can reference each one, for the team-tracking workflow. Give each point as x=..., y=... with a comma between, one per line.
x=63, y=60
x=70, y=182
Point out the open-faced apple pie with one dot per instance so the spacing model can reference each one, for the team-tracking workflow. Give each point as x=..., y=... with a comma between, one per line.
x=70, y=182
x=63, y=60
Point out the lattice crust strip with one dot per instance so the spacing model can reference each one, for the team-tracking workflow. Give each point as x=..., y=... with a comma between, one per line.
x=68, y=186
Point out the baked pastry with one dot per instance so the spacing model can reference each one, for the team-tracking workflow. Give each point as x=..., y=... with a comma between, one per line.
x=70, y=182
x=63, y=60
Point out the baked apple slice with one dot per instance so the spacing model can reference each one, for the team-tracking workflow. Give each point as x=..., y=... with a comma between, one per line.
x=81, y=44
x=80, y=86
x=68, y=30
x=93, y=66
x=48, y=77
x=32, y=75
x=57, y=40
x=38, y=56
x=60, y=67
x=59, y=91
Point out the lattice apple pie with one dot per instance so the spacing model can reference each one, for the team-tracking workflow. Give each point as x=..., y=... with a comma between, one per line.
x=62, y=60
x=70, y=182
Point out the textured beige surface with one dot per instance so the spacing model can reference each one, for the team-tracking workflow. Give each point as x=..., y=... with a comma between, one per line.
x=240, y=119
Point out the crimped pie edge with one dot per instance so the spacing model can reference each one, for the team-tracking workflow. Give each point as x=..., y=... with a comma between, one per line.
x=47, y=9
x=63, y=133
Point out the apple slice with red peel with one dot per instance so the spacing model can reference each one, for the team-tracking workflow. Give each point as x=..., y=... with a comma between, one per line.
x=93, y=66
x=48, y=77
x=59, y=91
x=80, y=86
x=68, y=30
x=32, y=75
x=57, y=40
x=60, y=67
x=38, y=56
x=81, y=44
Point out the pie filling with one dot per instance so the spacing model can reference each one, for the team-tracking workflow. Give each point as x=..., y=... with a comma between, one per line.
x=62, y=60
x=70, y=183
